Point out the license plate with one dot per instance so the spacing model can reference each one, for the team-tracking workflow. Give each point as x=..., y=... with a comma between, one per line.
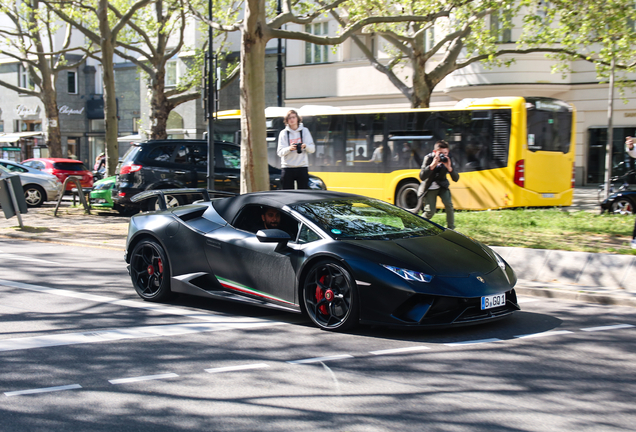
x=100, y=201
x=493, y=301
x=79, y=177
x=547, y=195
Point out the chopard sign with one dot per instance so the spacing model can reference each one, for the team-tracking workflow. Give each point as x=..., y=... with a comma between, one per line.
x=68, y=111
x=21, y=110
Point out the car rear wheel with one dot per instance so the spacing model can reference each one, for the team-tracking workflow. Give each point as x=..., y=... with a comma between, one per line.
x=34, y=195
x=623, y=206
x=330, y=297
x=406, y=197
x=171, y=201
x=150, y=271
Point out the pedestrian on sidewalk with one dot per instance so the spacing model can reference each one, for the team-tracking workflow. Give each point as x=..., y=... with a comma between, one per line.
x=435, y=167
x=294, y=142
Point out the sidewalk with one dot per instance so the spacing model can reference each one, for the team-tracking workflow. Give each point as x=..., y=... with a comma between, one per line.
x=596, y=278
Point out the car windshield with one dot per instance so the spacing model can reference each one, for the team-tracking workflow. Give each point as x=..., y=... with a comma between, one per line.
x=69, y=166
x=365, y=218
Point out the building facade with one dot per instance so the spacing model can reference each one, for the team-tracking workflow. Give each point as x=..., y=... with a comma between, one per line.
x=344, y=78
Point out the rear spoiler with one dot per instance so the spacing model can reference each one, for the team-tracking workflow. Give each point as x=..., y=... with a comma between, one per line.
x=160, y=194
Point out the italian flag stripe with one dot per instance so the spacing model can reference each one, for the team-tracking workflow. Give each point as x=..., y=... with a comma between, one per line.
x=235, y=286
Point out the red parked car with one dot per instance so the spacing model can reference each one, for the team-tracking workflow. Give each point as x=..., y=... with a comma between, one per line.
x=63, y=168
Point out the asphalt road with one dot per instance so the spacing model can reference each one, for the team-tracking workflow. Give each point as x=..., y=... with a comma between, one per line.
x=80, y=352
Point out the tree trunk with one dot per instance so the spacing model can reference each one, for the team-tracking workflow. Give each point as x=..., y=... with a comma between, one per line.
x=254, y=166
x=110, y=101
x=159, y=109
x=421, y=86
x=53, y=133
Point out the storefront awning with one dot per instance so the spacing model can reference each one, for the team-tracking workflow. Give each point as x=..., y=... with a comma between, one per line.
x=14, y=137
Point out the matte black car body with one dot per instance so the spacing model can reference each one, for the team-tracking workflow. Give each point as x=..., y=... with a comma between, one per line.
x=623, y=202
x=208, y=256
x=180, y=163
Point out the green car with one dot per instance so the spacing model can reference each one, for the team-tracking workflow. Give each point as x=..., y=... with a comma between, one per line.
x=101, y=196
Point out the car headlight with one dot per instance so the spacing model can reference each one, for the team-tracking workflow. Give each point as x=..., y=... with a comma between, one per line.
x=316, y=183
x=409, y=275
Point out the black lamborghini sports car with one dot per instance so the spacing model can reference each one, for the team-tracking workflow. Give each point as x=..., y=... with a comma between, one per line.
x=342, y=259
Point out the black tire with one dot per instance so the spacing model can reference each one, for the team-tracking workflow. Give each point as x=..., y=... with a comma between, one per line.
x=171, y=201
x=125, y=210
x=406, y=197
x=150, y=271
x=34, y=195
x=623, y=206
x=330, y=297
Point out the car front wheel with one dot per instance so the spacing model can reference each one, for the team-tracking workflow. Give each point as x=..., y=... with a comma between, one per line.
x=150, y=271
x=330, y=297
x=623, y=206
x=34, y=195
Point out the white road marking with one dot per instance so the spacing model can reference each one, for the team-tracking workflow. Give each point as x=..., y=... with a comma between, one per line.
x=320, y=359
x=99, y=336
x=237, y=368
x=609, y=327
x=203, y=316
x=25, y=258
x=143, y=378
x=544, y=334
x=473, y=342
x=43, y=390
x=399, y=350
x=527, y=300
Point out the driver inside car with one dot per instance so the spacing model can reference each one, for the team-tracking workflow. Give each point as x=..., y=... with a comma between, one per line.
x=271, y=218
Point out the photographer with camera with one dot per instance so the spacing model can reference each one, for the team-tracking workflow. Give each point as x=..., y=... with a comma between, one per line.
x=435, y=167
x=294, y=142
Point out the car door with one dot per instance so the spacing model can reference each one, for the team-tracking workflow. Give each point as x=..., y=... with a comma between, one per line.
x=183, y=169
x=227, y=172
x=246, y=266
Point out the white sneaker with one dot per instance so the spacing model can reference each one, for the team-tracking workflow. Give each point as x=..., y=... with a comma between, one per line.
x=633, y=243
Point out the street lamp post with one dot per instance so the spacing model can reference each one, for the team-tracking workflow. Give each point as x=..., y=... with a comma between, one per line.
x=610, y=130
x=211, y=93
x=279, y=63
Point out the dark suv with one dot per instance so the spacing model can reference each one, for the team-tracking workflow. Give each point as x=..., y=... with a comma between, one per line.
x=177, y=163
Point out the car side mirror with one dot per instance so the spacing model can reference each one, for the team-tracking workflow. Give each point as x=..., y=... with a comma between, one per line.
x=272, y=236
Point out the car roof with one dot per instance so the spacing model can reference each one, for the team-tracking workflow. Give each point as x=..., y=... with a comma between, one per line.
x=57, y=160
x=179, y=141
x=228, y=208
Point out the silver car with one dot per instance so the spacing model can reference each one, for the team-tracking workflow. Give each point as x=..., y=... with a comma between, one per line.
x=38, y=186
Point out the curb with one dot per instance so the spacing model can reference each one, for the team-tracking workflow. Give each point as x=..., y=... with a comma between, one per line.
x=613, y=299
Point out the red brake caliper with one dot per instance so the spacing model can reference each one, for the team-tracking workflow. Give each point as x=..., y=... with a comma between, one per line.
x=151, y=268
x=328, y=295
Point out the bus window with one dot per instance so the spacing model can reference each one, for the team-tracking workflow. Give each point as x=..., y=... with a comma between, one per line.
x=327, y=132
x=228, y=130
x=549, y=125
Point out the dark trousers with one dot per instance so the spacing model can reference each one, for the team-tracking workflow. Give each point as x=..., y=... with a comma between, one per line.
x=300, y=175
x=430, y=205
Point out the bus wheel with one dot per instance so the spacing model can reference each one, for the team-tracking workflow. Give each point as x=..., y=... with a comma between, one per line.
x=406, y=197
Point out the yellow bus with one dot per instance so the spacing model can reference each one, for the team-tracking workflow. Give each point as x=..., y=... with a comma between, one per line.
x=509, y=151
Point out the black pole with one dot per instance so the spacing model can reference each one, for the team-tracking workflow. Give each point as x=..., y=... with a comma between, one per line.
x=210, y=101
x=279, y=63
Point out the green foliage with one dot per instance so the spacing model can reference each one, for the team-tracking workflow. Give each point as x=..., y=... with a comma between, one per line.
x=547, y=229
x=597, y=31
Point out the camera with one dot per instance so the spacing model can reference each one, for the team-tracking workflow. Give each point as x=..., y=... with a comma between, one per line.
x=299, y=148
x=442, y=158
